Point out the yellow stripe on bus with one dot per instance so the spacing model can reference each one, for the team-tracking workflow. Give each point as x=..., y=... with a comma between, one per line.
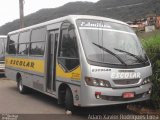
x=38, y=66
x=74, y=75
x=25, y=64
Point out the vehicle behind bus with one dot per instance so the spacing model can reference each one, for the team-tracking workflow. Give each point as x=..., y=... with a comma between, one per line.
x=81, y=61
x=3, y=41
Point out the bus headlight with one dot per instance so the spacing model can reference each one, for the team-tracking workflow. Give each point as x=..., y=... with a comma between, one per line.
x=146, y=81
x=97, y=82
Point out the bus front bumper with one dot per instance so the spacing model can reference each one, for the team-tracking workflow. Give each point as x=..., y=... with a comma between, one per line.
x=95, y=96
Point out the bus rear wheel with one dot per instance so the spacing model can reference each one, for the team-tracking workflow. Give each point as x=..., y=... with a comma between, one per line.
x=69, y=100
x=21, y=88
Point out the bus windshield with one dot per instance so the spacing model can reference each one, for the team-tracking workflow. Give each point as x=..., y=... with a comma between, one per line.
x=110, y=42
x=2, y=48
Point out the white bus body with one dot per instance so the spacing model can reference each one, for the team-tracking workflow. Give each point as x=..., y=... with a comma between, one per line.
x=80, y=60
x=3, y=41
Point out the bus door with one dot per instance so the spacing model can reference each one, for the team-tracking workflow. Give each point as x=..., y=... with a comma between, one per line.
x=51, y=63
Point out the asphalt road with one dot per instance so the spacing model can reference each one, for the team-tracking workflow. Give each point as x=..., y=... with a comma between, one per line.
x=12, y=102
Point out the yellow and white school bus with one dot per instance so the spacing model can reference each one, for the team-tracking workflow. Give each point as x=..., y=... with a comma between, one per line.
x=3, y=41
x=80, y=60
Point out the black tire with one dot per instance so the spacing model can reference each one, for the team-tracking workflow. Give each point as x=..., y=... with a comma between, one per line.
x=21, y=88
x=69, y=100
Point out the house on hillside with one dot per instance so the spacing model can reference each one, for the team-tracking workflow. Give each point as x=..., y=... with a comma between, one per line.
x=158, y=22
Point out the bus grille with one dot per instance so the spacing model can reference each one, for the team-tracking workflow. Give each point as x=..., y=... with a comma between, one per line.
x=126, y=81
x=120, y=98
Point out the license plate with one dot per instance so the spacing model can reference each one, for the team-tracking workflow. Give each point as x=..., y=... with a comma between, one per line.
x=128, y=95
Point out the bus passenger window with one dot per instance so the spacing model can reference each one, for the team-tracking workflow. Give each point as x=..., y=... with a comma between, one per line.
x=68, y=48
x=37, y=48
x=24, y=39
x=12, y=44
x=23, y=49
x=68, y=44
x=38, y=41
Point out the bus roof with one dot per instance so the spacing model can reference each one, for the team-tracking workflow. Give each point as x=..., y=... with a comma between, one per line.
x=3, y=36
x=69, y=17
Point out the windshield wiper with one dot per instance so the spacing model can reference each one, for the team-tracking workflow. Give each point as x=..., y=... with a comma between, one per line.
x=135, y=56
x=110, y=52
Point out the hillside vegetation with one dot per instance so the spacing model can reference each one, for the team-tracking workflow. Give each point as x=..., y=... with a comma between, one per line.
x=124, y=10
x=152, y=47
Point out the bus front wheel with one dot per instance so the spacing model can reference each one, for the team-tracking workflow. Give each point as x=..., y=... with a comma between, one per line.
x=69, y=100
